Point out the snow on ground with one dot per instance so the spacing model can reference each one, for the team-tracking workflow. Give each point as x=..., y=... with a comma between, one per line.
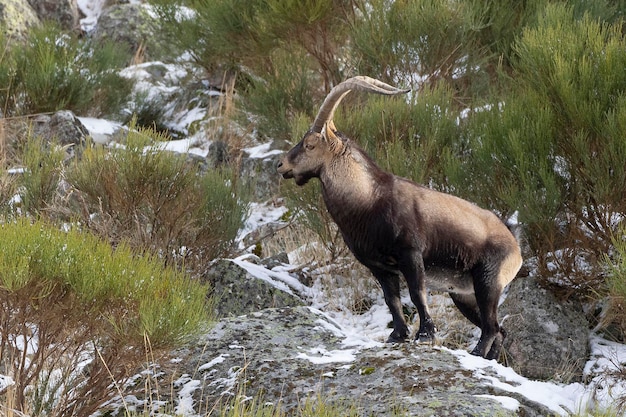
x=368, y=330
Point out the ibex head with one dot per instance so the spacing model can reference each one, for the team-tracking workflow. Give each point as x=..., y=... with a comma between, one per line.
x=320, y=144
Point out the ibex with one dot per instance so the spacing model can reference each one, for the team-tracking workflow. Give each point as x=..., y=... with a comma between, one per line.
x=394, y=226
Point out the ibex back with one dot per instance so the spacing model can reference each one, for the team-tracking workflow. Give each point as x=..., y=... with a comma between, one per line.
x=394, y=226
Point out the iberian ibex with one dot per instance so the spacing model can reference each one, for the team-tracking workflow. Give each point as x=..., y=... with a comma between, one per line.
x=394, y=226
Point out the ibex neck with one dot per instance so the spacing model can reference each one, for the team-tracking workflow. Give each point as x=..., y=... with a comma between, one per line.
x=352, y=186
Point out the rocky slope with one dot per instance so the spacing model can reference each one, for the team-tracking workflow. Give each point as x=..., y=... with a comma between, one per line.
x=272, y=341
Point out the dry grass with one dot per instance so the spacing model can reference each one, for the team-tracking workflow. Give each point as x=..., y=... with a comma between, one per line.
x=224, y=125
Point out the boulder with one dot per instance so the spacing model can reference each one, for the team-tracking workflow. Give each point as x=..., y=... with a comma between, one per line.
x=258, y=168
x=17, y=17
x=291, y=355
x=238, y=292
x=62, y=127
x=64, y=12
x=130, y=26
x=548, y=339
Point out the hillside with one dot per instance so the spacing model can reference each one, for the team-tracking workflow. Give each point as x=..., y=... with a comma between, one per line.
x=157, y=128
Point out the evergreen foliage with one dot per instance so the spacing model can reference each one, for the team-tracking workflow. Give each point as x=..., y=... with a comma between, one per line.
x=40, y=180
x=556, y=142
x=53, y=71
x=69, y=299
x=157, y=201
x=616, y=280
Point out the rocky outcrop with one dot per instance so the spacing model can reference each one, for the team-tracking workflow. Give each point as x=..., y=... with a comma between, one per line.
x=17, y=17
x=130, y=26
x=258, y=168
x=63, y=12
x=61, y=127
x=548, y=339
x=292, y=355
x=239, y=292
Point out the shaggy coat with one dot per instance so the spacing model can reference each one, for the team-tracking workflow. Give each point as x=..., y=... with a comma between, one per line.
x=396, y=227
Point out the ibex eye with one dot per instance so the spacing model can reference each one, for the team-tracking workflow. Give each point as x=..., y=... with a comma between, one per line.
x=309, y=146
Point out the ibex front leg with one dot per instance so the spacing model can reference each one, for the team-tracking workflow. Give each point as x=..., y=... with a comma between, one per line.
x=412, y=267
x=390, y=283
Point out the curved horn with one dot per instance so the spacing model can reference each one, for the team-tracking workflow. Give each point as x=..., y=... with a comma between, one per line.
x=360, y=83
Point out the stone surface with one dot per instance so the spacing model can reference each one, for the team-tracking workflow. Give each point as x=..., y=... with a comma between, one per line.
x=129, y=26
x=548, y=339
x=61, y=127
x=239, y=293
x=16, y=17
x=260, y=171
x=297, y=354
x=63, y=12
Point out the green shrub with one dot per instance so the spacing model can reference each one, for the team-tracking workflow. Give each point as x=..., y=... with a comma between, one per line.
x=616, y=281
x=43, y=167
x=283, y=54
x=241, y=33
x=53, y=70
x=417, y=139
x=550, y=146
x=78, y=317
x=157, y=200
x=283, y=93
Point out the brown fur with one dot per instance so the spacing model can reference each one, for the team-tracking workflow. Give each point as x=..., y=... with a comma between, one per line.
x=397, y=227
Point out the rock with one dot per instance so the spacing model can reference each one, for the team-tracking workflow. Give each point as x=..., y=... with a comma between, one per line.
x=548, y=339
x=259, y=169
x=171, y=96
x=17, y=17
x=291, y=355
x=64, y=12
x=130, y=26
x=240, y=293
x=62, y=127
x=219, y=154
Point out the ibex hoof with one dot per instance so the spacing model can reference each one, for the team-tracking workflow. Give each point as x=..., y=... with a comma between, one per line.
x=397, y=338
x=425, y=337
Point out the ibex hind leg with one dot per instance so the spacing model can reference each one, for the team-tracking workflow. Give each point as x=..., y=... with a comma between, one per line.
x=490, y=278
x=487, y=290
x=509, y=268
x=467, y=305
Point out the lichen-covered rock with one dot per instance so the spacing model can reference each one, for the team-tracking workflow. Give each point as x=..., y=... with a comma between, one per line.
x=62, y=126
x=17, y=17
x=290, y=355
x=239, y=293
x=130, y=26
x=258, y=167
x=547, y=339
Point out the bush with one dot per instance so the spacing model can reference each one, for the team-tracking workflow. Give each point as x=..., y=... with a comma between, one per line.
x=552, y=147
x=157, y=200
x=77, y=316
x=43, y=168
x=283, y=54
x=53, y=71
x=616, y=281
x=416, y=136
